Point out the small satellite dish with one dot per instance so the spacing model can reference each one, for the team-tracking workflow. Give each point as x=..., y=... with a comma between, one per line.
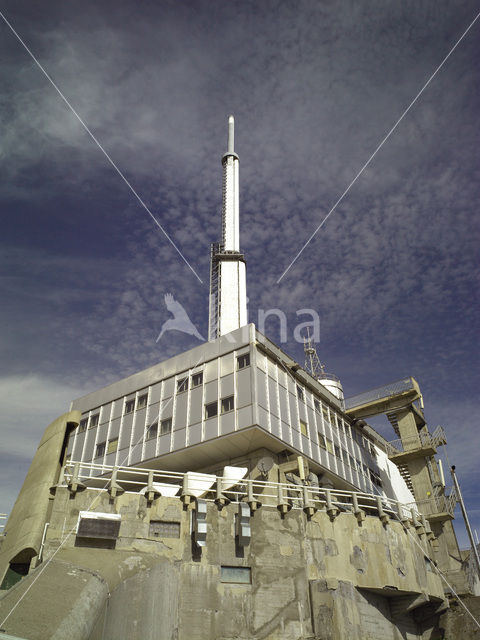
x=264, y=465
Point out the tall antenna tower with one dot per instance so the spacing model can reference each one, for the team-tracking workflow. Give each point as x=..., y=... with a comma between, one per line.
x=228, y=288
x=312, y=361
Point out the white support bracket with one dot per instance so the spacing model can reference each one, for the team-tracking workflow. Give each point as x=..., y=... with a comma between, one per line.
x=200, y=522
x=243, y=531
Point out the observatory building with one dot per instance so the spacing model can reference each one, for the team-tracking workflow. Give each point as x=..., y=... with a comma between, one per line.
x=229, y=492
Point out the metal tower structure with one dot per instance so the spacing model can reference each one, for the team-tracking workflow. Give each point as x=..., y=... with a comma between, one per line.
x=312, y=361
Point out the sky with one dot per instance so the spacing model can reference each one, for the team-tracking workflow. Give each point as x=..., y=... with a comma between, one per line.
x=314, y=88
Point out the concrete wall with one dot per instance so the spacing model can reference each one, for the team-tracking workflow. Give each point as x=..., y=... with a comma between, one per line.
x=24, y=529
x=309, y=578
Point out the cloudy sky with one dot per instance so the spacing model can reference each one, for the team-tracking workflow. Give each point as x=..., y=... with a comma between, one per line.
x=314, y=87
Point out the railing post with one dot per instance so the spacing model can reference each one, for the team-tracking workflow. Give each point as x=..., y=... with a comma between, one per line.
x=151, y=493
x=283, y=506
x=308, y=506
x=220, y=500
x=359, y=513
x=401, y=516
x=428, y=529
x=381, y=513
x=185, y=496
x=331, y=509
x=75, y=484
x=115, y=489
x=417, y=524
x=253, y=503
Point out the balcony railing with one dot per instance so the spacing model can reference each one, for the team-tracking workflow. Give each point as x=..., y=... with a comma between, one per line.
x=421, y=440
x=379, y=393
x=437, y=504
x=284, y=496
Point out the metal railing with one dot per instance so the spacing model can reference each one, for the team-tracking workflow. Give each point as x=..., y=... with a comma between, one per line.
x=284, y=496
x=405, y=445
x=379, y=393
x=437, y=504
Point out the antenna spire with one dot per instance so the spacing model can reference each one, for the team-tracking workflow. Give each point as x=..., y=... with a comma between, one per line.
x=231, y=134
x=228, y=289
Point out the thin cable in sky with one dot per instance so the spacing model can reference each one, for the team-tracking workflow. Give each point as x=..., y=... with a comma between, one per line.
x=84, y=125
x=379, y=147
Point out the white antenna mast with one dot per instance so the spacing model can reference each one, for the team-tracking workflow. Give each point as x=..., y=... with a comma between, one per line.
x=228, y=289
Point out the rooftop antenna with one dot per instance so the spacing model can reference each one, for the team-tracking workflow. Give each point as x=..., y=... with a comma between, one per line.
x=312, y=361
x=317, y=370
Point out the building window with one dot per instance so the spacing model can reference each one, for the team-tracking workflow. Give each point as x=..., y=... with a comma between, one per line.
x=163, y=529
x=227, y=404
x=94, y=420
x=165, y=426
x=211, y=409
x=300, y=393
x=351, y=459
x=321, y=441
x=129, y=406
x=100, y=450
x=112, y=445
x=142, y=401
x=333, y=419
x=329, y=446
x=318, y=405
x=337, y=451
x=325, y=413
x=152, y=431
x=375, y=478
x=303, y=427
x=82, y=425
x=239, y=575
x=243, y=361
x=344, y=456
x=197, y=379
x=365, y=470
x=182, y=385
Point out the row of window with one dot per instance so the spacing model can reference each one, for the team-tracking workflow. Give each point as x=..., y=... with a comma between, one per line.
x=348, y=459
x=109, y=447
x=197, y=378
x=226, y=405
x=140, y=402
x=332, y=419
x=84, y=422
x=165, y=426
x=130, y=406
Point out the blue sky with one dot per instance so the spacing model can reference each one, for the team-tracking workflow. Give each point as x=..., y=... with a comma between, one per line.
x=314, y=88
